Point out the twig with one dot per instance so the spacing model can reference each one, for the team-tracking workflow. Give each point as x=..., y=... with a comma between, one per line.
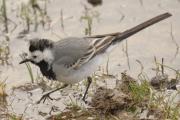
x=141, y=2
x=29, y=69
x=127, y=55
x=5, y=16
x=142, y=68
x=162, y=66
x=174, y=41
x=177, y=71
x=35, y=19
x=5, y=22
x=157, y=66
x=122, y=16
x=107, y=66
x=15, y=25
x=88, y=17
x=62, y=19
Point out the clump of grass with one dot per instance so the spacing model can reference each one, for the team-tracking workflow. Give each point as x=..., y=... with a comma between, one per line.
x=88, y=17
x=2, y=92
x=4, y=52
x=25, y=16
x=5, y=20
x=33, y=14
x=159, y=105
x=138, y=97
x=163, y=106
x=140, y=92
x=13, y=117
x=161, y=80
x=4, y=14
x=160, y=102
x=3, y=102
x=10, y=116
x=4, y=45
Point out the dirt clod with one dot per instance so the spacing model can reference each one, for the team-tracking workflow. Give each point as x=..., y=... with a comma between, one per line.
x=109, y=100
x=159, y=81
x=162, y=82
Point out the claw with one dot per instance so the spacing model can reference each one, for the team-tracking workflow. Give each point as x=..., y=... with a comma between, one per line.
x=84, y=101
x=44, y=98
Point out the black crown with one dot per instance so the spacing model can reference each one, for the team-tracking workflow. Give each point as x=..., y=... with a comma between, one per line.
x=40, y=44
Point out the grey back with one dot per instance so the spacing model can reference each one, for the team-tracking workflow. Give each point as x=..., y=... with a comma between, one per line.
x=67, y=51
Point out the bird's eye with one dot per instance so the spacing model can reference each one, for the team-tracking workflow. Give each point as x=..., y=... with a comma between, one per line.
x=34, y=56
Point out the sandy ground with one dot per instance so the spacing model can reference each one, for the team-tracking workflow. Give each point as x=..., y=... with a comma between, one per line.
x=114, y=16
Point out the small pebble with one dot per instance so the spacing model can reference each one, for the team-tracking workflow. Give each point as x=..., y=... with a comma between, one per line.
x=95, y=2
x=90, y=118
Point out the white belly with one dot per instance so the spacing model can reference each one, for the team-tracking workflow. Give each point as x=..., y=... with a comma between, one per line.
x=71, y=76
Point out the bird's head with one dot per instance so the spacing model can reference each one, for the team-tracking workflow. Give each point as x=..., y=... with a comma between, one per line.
x=40, y=50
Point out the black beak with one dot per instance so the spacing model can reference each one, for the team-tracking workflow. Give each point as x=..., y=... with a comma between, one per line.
x=25, y=60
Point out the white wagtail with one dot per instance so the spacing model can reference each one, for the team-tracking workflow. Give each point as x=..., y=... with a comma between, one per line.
x=70, y=60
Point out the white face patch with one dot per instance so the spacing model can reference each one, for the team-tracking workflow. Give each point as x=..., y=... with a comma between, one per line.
x=48, y=55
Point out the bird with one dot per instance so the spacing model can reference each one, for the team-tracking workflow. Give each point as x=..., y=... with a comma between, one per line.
x=72, y=59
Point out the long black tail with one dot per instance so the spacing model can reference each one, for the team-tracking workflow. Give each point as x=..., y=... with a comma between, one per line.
x=140, y=27
x=121, y=36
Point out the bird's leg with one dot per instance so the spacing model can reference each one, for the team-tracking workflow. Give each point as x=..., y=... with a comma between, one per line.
x=45, y=96
x=89, y=79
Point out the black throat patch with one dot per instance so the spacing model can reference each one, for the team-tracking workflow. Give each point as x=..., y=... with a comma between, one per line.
x=45, y=70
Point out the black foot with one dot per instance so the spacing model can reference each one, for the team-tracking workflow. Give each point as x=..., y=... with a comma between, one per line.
x=89, y=79
x=44, y=98
x=83, y=99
